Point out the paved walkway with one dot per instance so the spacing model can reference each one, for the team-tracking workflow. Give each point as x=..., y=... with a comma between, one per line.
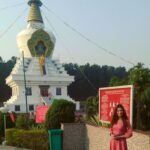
x=10, y=148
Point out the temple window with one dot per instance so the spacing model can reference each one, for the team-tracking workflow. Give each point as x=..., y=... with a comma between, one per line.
x=44, y=91
x=28, y=91
x=31, y=107
x=17, y=107
x=58, y=91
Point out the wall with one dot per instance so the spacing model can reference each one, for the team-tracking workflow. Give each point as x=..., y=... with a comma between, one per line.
x=73, y=136
x=87, y=137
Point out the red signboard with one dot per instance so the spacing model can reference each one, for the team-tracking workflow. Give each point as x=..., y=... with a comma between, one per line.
x=41, y=113
x=110, y=97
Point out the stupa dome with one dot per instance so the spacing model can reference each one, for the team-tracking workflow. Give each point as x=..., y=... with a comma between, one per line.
x=35, y=41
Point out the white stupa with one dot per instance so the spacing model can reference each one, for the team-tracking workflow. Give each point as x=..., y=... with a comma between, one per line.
x=45, y=79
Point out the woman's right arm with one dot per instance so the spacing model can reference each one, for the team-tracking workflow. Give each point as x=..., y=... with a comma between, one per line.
x=128, y=134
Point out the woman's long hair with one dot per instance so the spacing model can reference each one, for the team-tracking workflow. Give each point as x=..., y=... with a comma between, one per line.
x=115, y=116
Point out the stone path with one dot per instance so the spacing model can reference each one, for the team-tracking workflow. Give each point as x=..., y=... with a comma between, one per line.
x=10, y=148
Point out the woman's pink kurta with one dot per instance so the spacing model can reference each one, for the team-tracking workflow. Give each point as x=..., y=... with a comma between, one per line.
x=125, y=131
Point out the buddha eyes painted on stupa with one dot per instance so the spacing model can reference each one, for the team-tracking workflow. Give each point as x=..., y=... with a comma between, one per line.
x=40, y=48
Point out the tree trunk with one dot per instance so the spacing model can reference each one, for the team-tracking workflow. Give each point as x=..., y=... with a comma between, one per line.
x=138, y=112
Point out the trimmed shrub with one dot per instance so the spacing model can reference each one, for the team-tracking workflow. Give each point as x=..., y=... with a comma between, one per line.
x=31, y=139
x=10, y=136
x=61, y=111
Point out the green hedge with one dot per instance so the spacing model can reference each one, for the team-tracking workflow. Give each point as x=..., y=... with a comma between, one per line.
x=32, y=139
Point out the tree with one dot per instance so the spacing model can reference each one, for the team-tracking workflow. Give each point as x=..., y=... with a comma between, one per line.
x=145, y=109
x=89, y=78
x=1, y=60
x=140, y=78
x=5, y=70
x=115, y=81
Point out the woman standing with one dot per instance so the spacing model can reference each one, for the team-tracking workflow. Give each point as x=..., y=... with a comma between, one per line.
x=120, y=129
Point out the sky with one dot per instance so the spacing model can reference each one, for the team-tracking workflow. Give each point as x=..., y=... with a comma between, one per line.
x=122, y=27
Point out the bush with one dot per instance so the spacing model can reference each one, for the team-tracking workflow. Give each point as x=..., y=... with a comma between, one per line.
x=31, y=139
x=9, y=123
x=21, y=121
x=61, y=111
x=1, y=139
x=91, y=106
x=24, y=122
x=1, y=124
x=94, y=120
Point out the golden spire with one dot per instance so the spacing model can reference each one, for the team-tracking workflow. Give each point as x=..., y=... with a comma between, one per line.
x=35, y=13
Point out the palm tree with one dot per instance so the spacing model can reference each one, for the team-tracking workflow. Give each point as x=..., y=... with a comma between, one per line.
x=140, y=78
x=145, y=109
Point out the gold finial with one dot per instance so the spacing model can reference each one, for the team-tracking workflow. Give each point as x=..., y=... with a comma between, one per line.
x=35, y=13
